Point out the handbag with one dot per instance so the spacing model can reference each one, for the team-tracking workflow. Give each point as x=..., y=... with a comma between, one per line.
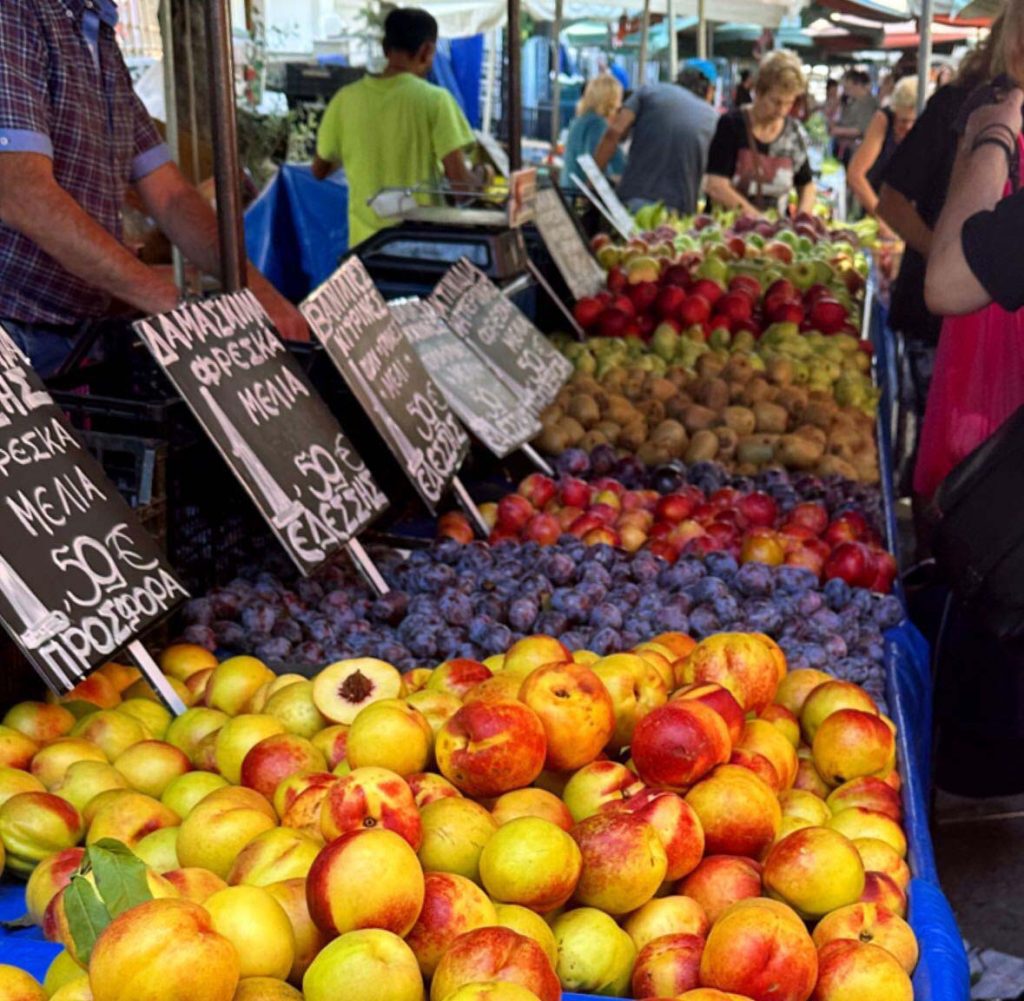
x=979, y=540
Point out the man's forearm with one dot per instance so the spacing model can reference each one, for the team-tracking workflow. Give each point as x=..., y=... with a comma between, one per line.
x=190, y=223
x=36, y=206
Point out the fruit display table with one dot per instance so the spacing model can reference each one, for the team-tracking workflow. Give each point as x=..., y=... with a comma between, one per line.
x=667, y=723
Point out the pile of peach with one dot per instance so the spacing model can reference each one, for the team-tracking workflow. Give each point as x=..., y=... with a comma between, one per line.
x=680, y=821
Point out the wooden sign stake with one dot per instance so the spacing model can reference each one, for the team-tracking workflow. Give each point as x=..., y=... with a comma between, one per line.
x=366, y=566
x=152, y=673
x=469, y=506
x=566, y=312
x=538, y=460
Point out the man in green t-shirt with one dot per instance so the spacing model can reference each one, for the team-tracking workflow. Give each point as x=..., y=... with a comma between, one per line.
x=395, y=130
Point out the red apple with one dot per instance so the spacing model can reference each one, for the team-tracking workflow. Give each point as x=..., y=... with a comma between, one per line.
x=676, y=274
x=538, y=489
x=748, y=285
x=735, y=306
x=514, y=511
x=643, y=296
x=851, y=561
x=707, y=289
x=811, y=514
x=674, y=508
x=543, y=529
x=612, y=323
x=574, y=492
x=670, y=299
x=587, y=310
x=850, y=526
x=694, y=310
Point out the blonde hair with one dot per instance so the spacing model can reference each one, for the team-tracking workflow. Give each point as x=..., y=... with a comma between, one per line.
x=781, y=70
x=904, y=95
x=602, y=95
x=1008, y=55
x=976, y=66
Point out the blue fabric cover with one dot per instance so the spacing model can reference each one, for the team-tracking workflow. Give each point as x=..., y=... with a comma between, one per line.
x=297, y=229
x=458, y=67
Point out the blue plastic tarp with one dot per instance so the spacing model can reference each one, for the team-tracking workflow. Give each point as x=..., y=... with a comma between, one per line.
x=297, y=229
x=458, y=67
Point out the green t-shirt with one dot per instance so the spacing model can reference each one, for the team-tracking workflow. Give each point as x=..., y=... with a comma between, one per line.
x=389, y=132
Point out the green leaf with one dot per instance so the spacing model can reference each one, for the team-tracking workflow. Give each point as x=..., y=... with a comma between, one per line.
x=120, y=876
x=86, y=915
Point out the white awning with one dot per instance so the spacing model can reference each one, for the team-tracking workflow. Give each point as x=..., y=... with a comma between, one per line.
x=458, y=18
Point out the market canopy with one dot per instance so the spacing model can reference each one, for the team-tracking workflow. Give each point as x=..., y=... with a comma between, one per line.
x=458, y=18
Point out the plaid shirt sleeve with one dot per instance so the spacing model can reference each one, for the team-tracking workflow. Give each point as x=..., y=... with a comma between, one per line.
x=24, y=98
x=150, y=149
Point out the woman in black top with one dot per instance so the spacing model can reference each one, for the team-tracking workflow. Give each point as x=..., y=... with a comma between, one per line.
x=914, y=187
x=888, y=128
x=742, y=96
x=757, y=179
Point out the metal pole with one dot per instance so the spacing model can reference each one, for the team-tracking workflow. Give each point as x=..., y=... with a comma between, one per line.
x=673, y=46
x=645, y=27
x=171, y=114
x=225, y=146
x=702, y=30
x=492, y=56
x=924, y=54
x=515, y=88
x=556, y=83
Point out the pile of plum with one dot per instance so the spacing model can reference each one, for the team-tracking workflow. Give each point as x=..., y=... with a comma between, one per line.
x=474, y=600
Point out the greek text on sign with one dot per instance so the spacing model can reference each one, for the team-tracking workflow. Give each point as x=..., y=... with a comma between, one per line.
x=575, y=263
x=277, y=435
x=350, y=317
x=79, y=576
x=472, y=306
x=483, y=404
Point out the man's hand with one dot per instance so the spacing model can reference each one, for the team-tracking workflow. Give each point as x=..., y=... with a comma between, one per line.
x=290, y=323
x=189, y=222
x=1006, y=113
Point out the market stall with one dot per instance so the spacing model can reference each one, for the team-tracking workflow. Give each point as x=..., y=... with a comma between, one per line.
x=649, y=721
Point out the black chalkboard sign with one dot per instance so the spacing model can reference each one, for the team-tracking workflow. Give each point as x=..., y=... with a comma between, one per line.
x=351, y=319
x=530, y=367
x=277, y=435
x=482, y=403
x=576, y=264
x=80, y=578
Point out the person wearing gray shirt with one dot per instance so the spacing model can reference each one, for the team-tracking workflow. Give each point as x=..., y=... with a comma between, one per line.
x=671, y=130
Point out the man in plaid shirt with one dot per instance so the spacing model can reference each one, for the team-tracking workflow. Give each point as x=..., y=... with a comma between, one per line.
x=73, y=137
